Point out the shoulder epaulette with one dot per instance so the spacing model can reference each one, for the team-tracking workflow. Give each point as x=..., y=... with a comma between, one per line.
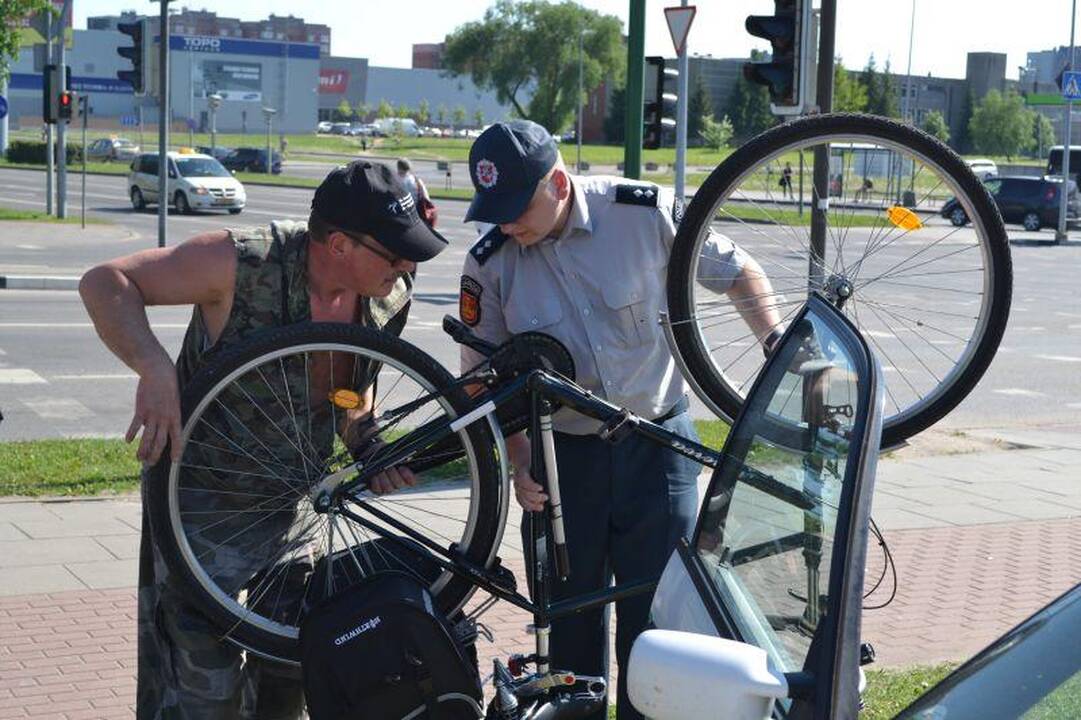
x=488, y=245
x=635, y=194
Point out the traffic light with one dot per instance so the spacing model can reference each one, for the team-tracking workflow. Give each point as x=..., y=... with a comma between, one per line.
x=66, y=106
x=137, y=54
x=50, y=110
x=788, y=73
x=659, y=112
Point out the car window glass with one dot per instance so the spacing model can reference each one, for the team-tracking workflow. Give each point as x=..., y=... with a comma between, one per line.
x=993, y=186
x=201, y=167
x=150, y=164
x=766, y=532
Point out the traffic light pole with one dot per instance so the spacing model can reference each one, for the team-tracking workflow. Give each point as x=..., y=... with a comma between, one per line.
x=1060, y=231
x=821, y=194
x=632, y=126
x=163, y=123
x=61, y=85
x=50, y=151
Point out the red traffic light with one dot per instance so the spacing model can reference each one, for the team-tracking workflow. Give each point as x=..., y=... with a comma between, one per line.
x=67, y=100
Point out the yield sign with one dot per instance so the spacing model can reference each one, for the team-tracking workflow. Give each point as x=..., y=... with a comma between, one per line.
x=679, y=23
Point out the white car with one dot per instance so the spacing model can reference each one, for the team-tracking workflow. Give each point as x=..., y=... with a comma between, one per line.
x=982, y=167
x=323, y=127
x=195, y=182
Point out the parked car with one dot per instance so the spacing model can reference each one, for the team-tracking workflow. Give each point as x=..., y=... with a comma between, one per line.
x=386, y=127
x=1054, y=161
x=112, y=149
x=251, y=159
x=217, y=152
x=758, y=613
x=195, y=182
x=1028, y=201
x=982, y=168
x=323, y=127
x=340, y=128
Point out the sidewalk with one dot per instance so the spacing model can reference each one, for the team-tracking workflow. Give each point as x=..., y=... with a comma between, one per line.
x=980, y=539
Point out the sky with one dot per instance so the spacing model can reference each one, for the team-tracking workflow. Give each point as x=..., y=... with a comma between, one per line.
x=944, y=30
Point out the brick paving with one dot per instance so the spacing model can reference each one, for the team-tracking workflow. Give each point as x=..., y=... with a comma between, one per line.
x=72, y=654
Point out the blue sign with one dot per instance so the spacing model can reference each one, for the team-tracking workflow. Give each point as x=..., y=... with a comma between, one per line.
x=3, y=107
x=32, y=81
x=1071, y=86
x=129, y=120
x=241, y=46
x=192, y=124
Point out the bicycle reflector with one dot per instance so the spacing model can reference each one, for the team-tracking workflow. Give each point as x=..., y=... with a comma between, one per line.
x=904, y=218
x=345, y=399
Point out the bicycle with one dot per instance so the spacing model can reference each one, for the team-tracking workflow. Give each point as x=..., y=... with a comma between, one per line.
x=266, y=415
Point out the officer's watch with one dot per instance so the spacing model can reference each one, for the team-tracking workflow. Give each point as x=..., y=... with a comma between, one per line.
x=771, y=340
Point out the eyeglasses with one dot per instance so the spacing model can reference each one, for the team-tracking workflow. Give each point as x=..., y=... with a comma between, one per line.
x=391, y=259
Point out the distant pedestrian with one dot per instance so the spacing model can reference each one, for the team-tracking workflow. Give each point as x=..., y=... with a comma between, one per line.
x=786, y=181
x=416, y=188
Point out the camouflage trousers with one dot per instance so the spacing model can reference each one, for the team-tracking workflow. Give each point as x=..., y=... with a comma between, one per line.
x=187, y=670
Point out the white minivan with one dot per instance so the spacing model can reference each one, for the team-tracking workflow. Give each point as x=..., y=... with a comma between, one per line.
x=196, y=182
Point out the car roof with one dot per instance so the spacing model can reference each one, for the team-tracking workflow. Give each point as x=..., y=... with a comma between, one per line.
x=176, y=155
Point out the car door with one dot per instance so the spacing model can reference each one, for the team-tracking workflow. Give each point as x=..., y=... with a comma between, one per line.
x=777, y=556
x=147, y=177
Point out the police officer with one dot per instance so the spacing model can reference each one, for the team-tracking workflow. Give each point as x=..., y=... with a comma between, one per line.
x=584, y=259
x=352, y=262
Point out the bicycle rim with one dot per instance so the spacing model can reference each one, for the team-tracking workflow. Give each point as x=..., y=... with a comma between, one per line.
x=931, y=298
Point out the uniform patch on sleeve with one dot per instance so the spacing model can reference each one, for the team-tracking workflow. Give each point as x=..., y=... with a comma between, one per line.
x=637, y=194
x=469, y=301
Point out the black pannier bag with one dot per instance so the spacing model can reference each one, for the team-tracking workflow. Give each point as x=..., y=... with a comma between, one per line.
x=380, y=650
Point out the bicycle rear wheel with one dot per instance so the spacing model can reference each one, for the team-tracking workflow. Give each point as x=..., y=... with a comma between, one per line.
x=236, y=520
x=932, y=298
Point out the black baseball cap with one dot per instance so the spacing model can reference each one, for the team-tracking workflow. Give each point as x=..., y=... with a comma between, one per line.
x=505, y=163
x=367, y=197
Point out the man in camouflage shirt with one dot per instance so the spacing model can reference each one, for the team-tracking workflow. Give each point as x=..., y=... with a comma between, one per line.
x=352, y=262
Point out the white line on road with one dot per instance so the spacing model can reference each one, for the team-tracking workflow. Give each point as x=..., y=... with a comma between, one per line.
x=1058, y=358
x=1020, y=392
x=20, y=376
x=48, y=408
x=103, y=376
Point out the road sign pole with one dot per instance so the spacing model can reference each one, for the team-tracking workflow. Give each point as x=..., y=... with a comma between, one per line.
x=50, y=150
x=632, y=125
x=61, y=85
x=821, y=183
x=4, y=120
x=679, y=24
x=85, y=102
x=163, y=122
x=1060, y=234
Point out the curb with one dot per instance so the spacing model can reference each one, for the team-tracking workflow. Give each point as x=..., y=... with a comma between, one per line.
x=38, y=282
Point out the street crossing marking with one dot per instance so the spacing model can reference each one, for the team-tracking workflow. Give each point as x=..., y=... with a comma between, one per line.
x=1020, y=392
x=20, y=376
x=1058, y=358
x=50, y=408
x=103, y=376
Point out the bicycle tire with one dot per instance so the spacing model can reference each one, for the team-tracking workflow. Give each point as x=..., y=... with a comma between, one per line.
x=723, y=394
x=210, y=400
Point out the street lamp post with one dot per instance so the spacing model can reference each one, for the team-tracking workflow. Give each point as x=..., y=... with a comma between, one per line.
x=269, y=113
x=213, y=101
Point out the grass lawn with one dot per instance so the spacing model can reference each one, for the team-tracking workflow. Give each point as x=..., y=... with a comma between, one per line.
x=35, y=216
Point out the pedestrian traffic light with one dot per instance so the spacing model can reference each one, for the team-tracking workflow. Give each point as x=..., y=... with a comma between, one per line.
x=66, y=106
x=660, y=112
x=137, y=54
x=787, y=73
x=50, y=110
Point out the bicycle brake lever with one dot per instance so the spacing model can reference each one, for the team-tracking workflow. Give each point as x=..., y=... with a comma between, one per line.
x=463, y=335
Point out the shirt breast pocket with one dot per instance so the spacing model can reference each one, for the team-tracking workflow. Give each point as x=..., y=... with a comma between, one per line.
x=538, y=314
x=634, y=309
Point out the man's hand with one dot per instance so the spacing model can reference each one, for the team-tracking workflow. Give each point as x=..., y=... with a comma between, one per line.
x=529, y=494
x=392, y=479
x=157, y=412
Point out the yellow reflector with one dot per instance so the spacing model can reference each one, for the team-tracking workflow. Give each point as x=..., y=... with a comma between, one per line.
x=904, y=218
x=345, y=399
x=186, y=151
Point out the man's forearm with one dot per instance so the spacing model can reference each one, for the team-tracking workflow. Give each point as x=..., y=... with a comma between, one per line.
x=118, y=312
x=756, y=300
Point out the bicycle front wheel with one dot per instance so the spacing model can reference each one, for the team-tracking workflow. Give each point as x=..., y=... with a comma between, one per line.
x=236, y=518
x=931, y=296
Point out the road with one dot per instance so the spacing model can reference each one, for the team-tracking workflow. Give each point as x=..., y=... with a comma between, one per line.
x=56, y=379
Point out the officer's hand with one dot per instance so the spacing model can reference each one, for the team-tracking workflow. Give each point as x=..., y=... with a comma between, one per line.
x=530, y=495
x=392, y=479
x=157, y=412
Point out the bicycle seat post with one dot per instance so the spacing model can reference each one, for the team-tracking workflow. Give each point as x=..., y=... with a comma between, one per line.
x=540, y=410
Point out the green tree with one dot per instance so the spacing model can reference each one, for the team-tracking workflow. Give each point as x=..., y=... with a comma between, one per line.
x=881, y=89
x=699, y=107
x=478, y=118
x=362, y=111
x=849, y=94
x=716, y=135
x=344, y=111
x=616, y=117
x=441, y=114
x=403, y=111
x=522, y=47
x=1043, y=134
x=12, y=13
x=1001, y=124
x=934, y=124
x=384, y=110
x=748, y=108
x=424, y=113
x=458, y=116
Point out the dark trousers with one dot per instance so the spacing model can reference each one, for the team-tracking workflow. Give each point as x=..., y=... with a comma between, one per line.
x=625, y=507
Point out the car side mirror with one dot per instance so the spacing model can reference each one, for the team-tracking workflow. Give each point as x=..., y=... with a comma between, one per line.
x=677, y=675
